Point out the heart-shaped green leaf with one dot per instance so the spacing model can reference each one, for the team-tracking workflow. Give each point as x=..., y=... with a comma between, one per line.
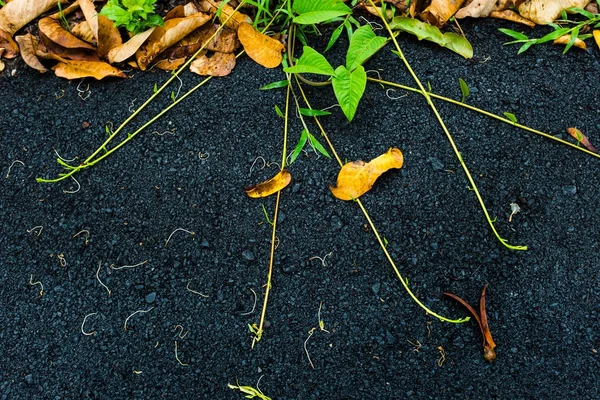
x=311, y=62
x=364, y=44
x=349, y=88
x=314, y=12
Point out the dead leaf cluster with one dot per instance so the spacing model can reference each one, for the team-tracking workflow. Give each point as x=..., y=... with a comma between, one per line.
x=91, y=44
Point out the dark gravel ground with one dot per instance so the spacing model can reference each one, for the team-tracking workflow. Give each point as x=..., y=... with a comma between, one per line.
x=543, y=303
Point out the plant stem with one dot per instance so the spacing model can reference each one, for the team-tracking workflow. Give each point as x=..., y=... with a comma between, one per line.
x=372, y=225
x=488, y=114
x=448, y=135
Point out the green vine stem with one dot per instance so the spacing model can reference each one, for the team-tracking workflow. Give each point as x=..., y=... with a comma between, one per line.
x=92, y=160
x=488, y=114
x=372, y=225
x=448, y=135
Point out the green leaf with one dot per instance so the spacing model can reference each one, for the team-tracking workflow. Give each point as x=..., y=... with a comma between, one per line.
x=422, y=30
x=275, y=85
x=464, y=88
x=572, y=39
x=514, y=34
x=314, y=12
x=349, y=88
x=334, y=37
x=511, y=117
x=552, y=35
x=318, y=146
x=278, y=111
x=308, y=112
x=583, y=12
x=525, y=46
x=299, y=146
x=311, y=62
x=364, y=44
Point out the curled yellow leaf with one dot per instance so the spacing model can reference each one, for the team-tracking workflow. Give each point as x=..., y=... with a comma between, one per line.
x=261, y=48
x=357, y=177
x=565, y=40
x=268, y=187
x=596, y=34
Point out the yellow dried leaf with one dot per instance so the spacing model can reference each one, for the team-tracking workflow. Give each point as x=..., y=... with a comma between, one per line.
x=273, y=185
x=48, y=46
x=440, y=11
x=225, y=41
x=91, y=15
x=565, y=39
x=83, y=31
x=109, y=38
x=512, y=16
x=28, y=45
x=596, y=34
x=83, y=69
x=543, y=12
x=170, y=64
x=18, y=13
x=483, y=8
x=125, y=50
x=226, y=11
x=55, y=32
x=357, y=177
x=261, y=48
x=220, y=64
x=166, y=36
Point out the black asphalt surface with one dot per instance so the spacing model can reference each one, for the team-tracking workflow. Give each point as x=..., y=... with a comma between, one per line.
x=188, y=171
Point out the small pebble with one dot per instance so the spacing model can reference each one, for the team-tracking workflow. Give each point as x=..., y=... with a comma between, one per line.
x=151, y=297
x=248, y=255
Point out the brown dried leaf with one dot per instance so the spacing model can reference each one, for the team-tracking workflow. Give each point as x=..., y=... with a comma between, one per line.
x=181, y=11
x=483, y=8
x=581, y=138
x=510, y=15
x=55, y=32
x=440, y=11
x=170, y=64
x=11, y=49
x=357, y=177
x=261, y=48
x=28, y=45
x=18, y=13
x=109, y=38
x=83, y=31
x=376, y=11
x=543, y=12
x=565, y=39
x=268, y=187
x=164, y=37
x=91, y=15
x=224, y=42
x=49, y=46
x=226, y=11
x=83, y=69
x=125, y=50
x=220, y=64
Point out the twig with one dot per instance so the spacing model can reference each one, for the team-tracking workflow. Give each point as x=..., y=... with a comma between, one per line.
x=253, y=306
x=254, y=163
x=112, y=266
x=138, y=311
x=87, y=235
x=83, y=323
x=322, y=259
x=321, y=322
x=203, y=156
x=86, y=93
x=61, y=260
x=181, y=335
x=38, y=233
x=98, y=278
x=11, y=165
x=36, y=283
x=178, y=229
x=194, y=291
x=442, y=358
x=416, y=346
x=73, y=191
x=310, y=333
x=387, y=93
x=64, y=159
x=177, y=356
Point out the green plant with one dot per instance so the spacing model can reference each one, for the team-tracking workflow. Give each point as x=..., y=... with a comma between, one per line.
x=574, y=32
x=135, y=15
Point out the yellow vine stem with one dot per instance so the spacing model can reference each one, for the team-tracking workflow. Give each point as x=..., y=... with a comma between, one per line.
x=488, y=114
x=448, y=135
x=372, y=225
x=258, y=333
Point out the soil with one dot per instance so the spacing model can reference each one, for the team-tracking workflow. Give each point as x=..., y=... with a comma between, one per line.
x=188, y=171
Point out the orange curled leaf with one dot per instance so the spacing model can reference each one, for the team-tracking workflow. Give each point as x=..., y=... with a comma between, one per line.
x=357, y=177
x=270, y=186
x=55, y=32
x=512, y=16
x=581, y=138
x=71, y=69
x=261, y=48
x=489, y=346
x=596, y=34
x=565, y=39
x=29, y=44
x=440, y=11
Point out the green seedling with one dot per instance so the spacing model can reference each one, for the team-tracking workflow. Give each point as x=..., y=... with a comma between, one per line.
x=134, y=15
x=574, y=32
x=464, y=89
x=249, y=391
x=511, y=117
